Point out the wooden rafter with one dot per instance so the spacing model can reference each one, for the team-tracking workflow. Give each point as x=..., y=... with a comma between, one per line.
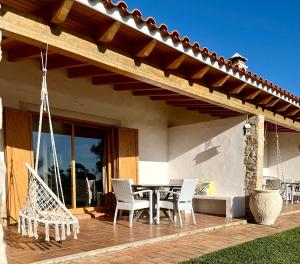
x=152, y=92
x=112, y=79
x=61, y=11
x=87, y=71
x=168, y=97
x=252, y=95
x=133, y=87
x=198, y=74
x=184, y=101
x=273, y=103
x=212, y=109
x=61, y=62
x=236, y=89
x=283, y=108
x=220, y=82
x=22, y=53
x=13, y=22
x=146, y=49
x=174, y=64
x=108, y=34
x=264, y=101
x=293, y=113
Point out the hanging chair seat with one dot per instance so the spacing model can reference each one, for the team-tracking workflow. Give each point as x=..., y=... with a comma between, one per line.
x=42, y=207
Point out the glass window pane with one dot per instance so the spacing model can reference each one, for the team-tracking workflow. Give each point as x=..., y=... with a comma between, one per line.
x=90, y=166
x=63, y=142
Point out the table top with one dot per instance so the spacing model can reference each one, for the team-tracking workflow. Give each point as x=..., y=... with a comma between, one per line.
x=156, y=186
x=293, y=182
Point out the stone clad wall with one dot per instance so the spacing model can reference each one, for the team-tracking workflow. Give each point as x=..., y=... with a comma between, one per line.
x=254, y=157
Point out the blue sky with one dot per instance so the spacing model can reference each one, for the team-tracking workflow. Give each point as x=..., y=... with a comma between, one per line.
x=264, y=31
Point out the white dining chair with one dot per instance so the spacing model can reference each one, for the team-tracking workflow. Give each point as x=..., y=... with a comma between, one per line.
x=126, y=201
x=181, y=201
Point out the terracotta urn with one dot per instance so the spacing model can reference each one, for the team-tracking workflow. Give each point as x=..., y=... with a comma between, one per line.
x=265, y=206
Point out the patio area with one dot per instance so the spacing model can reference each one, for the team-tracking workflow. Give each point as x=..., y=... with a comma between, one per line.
x=100, y=236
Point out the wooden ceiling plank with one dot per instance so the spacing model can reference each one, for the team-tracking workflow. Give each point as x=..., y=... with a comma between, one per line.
x=283, y=108
x=237, y=89
x=273, y=103
x=173, y=65
x=252, y=95
x=112, y=79
x=61, y=12
x=109, y=33
x=168, y=97
x=87, y=71
x=220, y=82
x=265, y=100
x=198, y=74
x=294, y=112
x=146, y=50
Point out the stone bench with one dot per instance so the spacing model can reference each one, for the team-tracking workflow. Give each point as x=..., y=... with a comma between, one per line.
x=227, y=202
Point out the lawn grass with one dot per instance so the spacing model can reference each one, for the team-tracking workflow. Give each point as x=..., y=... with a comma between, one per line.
x=283, y=248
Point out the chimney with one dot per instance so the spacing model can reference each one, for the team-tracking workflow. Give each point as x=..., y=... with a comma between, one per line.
x=239, y=60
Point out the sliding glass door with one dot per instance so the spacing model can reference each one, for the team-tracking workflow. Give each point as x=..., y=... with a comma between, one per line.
x=81, y=152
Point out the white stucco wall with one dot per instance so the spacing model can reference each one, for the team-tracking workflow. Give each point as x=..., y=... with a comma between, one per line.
x=78, y=98
x=211, y=151
x=289, y=144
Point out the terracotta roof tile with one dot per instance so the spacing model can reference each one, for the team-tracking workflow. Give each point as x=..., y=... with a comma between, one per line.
x=151, y=23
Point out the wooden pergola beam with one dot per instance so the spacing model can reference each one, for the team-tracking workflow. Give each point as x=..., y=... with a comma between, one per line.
x=32, y=30
x=108, y=34
x=146, y=50
x=220, y=82
x=87, y=71
x=252, y=95
x=112, y=79
x=168, y=97
x=236, y=89
x=198, y=74
x=174, y=64
x=60, y=12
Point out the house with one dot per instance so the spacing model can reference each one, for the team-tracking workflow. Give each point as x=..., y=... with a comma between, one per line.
x=131, y=99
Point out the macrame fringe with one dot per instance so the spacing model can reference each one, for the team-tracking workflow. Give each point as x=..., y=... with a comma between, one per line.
x=47, y=238
x=30, y=227
x=63, y=231
x=35, y=228
x=75, y=230
x=57, y=238
x=68, y=229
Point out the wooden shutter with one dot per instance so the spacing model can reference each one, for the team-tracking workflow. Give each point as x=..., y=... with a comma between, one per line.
x=128, y=154
x=18, y=140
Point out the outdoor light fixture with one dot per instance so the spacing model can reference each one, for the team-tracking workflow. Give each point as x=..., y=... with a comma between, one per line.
x=247, y=128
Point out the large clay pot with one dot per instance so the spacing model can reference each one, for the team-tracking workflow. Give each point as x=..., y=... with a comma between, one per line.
x=265, y=206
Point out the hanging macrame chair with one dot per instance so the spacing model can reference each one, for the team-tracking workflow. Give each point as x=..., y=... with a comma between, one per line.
x=43, y=207
x=278, y=182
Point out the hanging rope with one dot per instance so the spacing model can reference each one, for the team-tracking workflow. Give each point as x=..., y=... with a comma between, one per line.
x=45, y=108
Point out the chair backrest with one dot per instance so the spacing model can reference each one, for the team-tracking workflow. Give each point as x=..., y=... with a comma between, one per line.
x=123, y=190
x=187, y=190
x=176, y=181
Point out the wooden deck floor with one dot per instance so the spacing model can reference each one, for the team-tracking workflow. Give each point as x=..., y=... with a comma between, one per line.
x=100, y=235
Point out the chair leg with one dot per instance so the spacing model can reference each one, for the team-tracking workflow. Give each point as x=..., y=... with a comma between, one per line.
x=130, y=218
x=115, y=217
x=120, y=214
x=157, y=214
x=193, y=216
x=174, y=216
x=180, y=220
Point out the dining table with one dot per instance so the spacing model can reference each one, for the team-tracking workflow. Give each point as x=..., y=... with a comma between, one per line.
x=155, y=188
